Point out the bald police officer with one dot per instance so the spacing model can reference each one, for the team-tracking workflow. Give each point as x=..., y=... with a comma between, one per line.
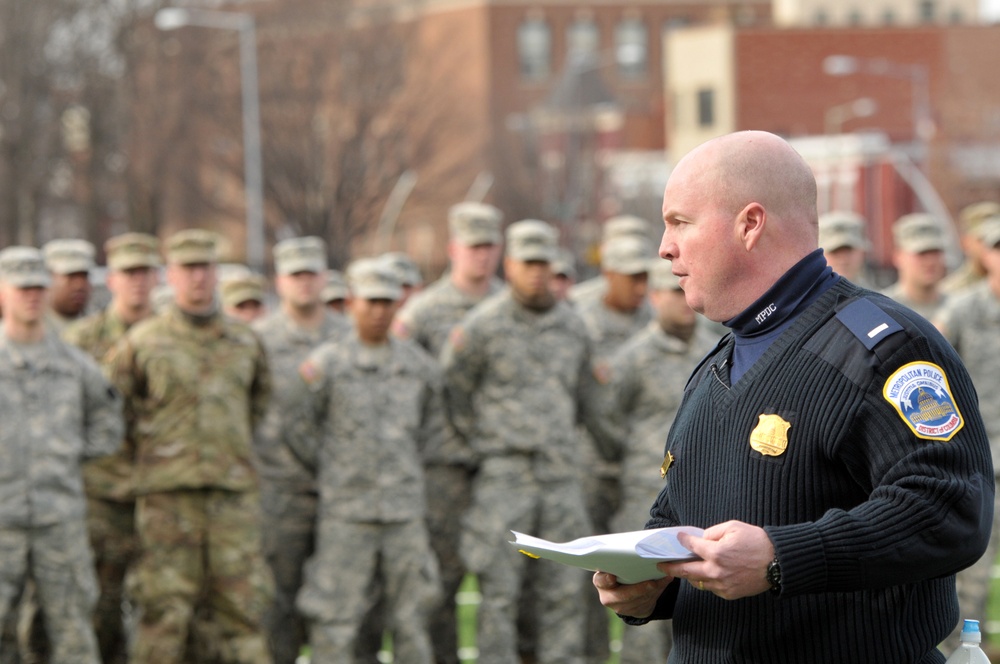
x=195, y=385
x=288, y=489
x=58, y=410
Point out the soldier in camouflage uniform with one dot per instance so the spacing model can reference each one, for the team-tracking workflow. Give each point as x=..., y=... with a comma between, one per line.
x=518, y=378
x=370, y=403
x=971, y=322
x=919, y=259
x=610, y=321
x=842, y=239
x=408, y=273
x=972, y=270
x=626, y=225
x=70, y=262
x=243, y=297
x=57, y=410
x=133, y=259
x=474, y=248
x=647, y=376
x=288, y=490
x=195, y=385
x=334, y=294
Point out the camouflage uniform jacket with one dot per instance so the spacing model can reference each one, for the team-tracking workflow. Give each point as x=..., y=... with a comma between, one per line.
x=963, y=278
x=194, y=391
x=287, y=345
x=56, y=413
x=517, y=382
x=648, y=375
x=110, y=477
x=971, y=323
x=928, y=311
x=610, y=329
x=365, y=414
x=427, y=318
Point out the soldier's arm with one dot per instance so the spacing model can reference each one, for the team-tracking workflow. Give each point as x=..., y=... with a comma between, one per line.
x=310, y=393
x=104, y=427
x=462, y=363
x=595, y=399
x=260, y=390
x=121, y=370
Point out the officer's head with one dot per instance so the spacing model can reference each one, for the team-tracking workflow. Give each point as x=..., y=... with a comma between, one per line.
x=70, y=262
x=300, y=271
x=474, y=244
x=133, y=269
x=532, y=246
x=374, y=299
x=625, y=262
x=192, y=269
x=24, y=279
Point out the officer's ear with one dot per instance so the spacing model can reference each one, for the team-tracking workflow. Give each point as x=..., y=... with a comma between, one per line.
x=750, y=224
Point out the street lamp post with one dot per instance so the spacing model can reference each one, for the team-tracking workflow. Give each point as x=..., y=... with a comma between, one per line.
x=916, y=74
x=171, y=18
x=836, y=116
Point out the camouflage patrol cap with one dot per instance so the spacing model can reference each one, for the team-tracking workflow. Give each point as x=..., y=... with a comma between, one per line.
x=625, y=225
x=193, y=245
x=471, y=223
x=373, y=279
x=627, y=255
x=564, y=265
x=972, y=215
x=918, y=232
x=336, y=287
x=24, y=267
x=132, y=250
x=300, y=254
x=661, y=277
x=243, y=289
x=406, y=270
x=532, y=240
x=989, y=232
x=69, y=256
x=840, y=228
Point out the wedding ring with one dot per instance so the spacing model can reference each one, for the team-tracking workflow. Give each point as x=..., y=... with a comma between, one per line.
x=701, y=585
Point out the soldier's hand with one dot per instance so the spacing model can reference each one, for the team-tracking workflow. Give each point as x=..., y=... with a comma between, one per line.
x=633, y=599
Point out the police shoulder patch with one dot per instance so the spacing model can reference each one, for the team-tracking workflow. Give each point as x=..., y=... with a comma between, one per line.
x=457, y=338
x=920, y=393
x=310, y=372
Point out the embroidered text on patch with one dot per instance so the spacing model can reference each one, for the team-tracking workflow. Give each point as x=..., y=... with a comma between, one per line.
x=920, y=394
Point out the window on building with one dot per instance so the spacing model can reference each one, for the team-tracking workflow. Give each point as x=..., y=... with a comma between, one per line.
x=583, y=39
x=706, y=107
x=534, y=49
x=956, y=16
x=854, y=17
x=821, y=18
x=926, y=11
x=631, y=48
x=888, y=17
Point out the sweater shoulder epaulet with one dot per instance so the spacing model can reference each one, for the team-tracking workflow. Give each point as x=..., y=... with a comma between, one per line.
x=867, y=321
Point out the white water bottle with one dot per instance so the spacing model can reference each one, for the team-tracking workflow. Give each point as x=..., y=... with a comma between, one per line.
x=969, y=651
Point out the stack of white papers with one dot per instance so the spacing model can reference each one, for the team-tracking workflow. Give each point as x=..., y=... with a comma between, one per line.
x=631, y=556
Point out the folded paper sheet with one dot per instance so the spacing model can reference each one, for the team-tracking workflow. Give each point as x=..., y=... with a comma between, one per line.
x=631, y=556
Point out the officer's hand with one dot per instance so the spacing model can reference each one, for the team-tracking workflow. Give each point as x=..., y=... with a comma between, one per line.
x=635, y=599
x=734, y=559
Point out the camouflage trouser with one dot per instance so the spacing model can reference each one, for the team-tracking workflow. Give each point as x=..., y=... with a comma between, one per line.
x=112, y=537
x=289, y=540
x=652, y=642
x=200, y=549
x=449, y=491
x=59, y=560
x=339, y=576
x=505, y=497
x=973, y=583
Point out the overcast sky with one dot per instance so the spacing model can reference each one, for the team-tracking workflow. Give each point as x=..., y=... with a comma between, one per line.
x=991, y=9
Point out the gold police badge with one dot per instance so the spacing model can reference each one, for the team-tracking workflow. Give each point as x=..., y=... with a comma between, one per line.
x=770, y=436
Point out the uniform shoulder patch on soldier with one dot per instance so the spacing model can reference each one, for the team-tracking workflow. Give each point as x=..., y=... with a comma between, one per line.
x=920, y=394
x=868, y=322
x=310, y=372
x=602, y=372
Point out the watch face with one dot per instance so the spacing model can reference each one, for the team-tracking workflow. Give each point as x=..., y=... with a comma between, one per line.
x=774, y=576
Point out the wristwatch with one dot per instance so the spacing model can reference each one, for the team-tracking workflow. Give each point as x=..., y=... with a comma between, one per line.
x=773, y=576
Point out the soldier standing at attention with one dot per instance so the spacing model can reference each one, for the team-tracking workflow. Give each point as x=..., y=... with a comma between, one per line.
x=133, y=259
x=288, y=489
x=474, y=249
x=370, y=402
x=842, y=239
x=195, y=385
x=919, y=259
x=243, y=297
x=70, y=262
x=518, y=378
x=57, y=410
x=972, y=271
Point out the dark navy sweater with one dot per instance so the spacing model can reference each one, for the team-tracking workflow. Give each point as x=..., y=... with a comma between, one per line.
x=869, y=520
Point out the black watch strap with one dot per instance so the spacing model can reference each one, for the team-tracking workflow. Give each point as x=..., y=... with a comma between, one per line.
x=774, y=576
